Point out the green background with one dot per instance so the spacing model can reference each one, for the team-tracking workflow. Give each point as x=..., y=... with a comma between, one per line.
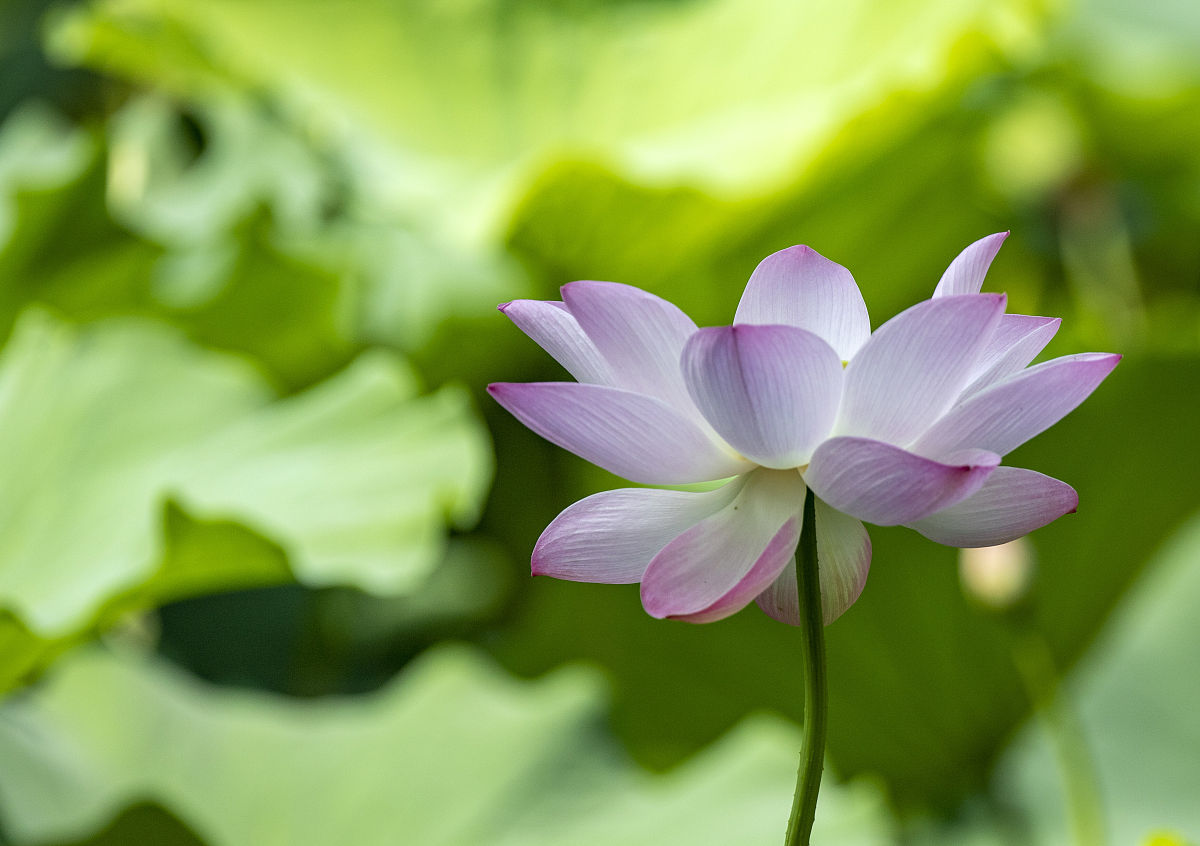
x=264, y=539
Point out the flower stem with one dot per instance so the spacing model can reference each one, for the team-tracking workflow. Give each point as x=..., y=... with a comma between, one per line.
x=812, y=639
x=1081, y=783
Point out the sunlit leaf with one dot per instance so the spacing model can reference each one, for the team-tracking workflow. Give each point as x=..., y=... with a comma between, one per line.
x=638, y=142
x=467, y=102
x=353, y=480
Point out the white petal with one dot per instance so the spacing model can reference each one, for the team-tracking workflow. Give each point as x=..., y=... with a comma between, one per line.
x=965, y=274
x=915, y=366
x=1016, y=342
x=637, y=437
x=800, y=287
x=641, y=336
x=1012, y=411
x=556, y=331
x=611, y=536
x=771, y=392
x=721, y=564
x=1012, y=503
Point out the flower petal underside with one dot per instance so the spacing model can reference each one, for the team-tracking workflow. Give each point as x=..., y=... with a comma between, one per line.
x=771, y=392
x=844, y=555
x=844, y=558
x=637, y=437
x=886, y=485
x=1016, y=342
x=966, y=273
x=611, y=537
x=1012, y=503
x=722, y=563
x=1025, y=404
x=552, y=326
x=915, y=366
x=640, y=336
x=800, y=287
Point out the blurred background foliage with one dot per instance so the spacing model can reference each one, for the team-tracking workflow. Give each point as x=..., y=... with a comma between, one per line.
x=250, y=252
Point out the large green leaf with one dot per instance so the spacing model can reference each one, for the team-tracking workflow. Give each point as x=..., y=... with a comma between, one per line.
x=923, y=690
x=472, y=98
x=662, y=144
x=99, y=428
x=455, y=752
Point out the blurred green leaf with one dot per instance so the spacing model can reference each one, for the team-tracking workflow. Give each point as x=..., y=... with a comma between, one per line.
x=1147, y=48
x=666, y=90
x=144, y=824
x=456, y=752
x=231, y=283
x=99, y=428
x=198, y=557
x=1136, y=695
x=637, y=142
x=915, y=160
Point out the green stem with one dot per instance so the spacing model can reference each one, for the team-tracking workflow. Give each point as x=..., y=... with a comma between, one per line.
x=812, y=639
x=1081, y=784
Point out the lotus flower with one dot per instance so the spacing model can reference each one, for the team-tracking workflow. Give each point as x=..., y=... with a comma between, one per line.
x=904, y=426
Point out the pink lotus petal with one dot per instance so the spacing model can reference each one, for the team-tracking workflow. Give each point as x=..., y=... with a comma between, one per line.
x=779, y=553
x=781, y=599
x=771, y=392
x=799, y=287
x=1012, y=411
x=844, y=558
x=637, y=437
x=886, y=485
x=844, y=555
x=915, y=366
x=641, y=336
x=719, y=565
x=1016, y=342
x=611, y=536
x=1012, y=503
x=556, y=331
x=965, y=274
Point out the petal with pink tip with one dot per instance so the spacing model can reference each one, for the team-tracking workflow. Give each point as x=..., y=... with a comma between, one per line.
x=965, y=274
x=771, y=392
x=800, y=287
x=1016, y=342
x=722, y=563
x=555, y=330
x=1025, y=404
x=886, y=485
x=781, y=599
x=611, y=536
x=637, y=437
x=641, y=337
x=844, y=558
x=915, y=366
x=1012, y=503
